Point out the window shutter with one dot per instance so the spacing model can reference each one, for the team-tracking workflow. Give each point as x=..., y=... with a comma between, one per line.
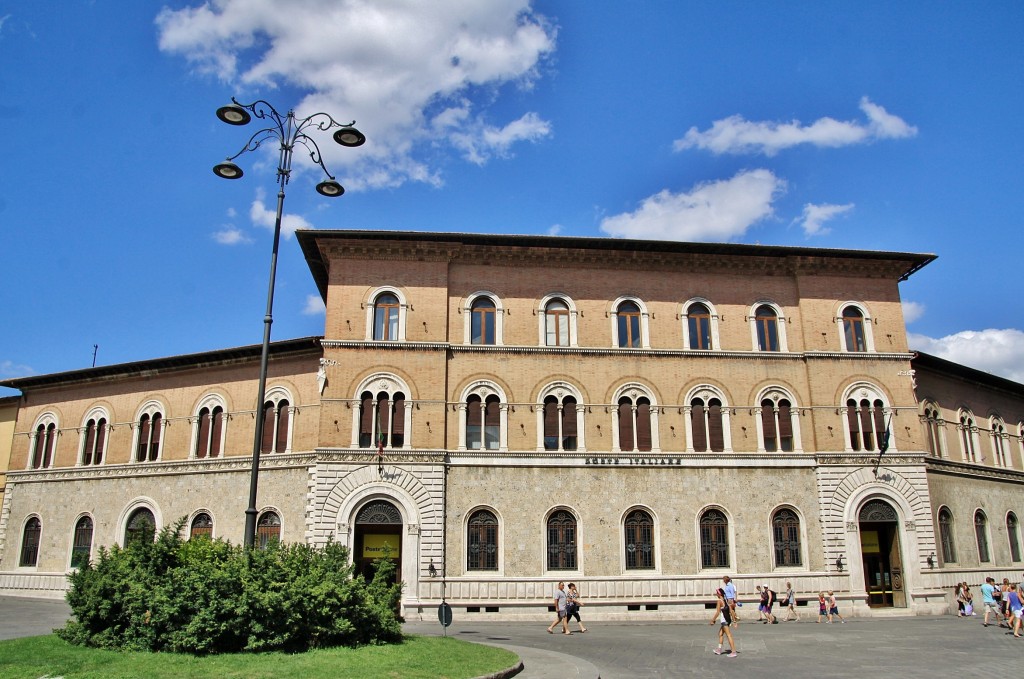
x=267, y=443
x=283, y=422
x=786, y=425
x=643, y=424
x=492, y=415
x=550, y=417
x=473, y=415
x=854, y=421
x=398, y=427
x=90, y=441
x=218, y=425
x=143, y=438
x=625, y=424
x=101, y=441
x=768, y=424
x=203, y=438
x=568, y=417
x=715, y=426
x=697, y=421
x=366, y=415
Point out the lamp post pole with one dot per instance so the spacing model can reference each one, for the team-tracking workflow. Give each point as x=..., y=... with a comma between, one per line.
x=288, y=131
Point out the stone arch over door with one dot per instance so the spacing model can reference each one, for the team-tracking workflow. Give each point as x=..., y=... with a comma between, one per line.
x=843, y=497
x=334, y=517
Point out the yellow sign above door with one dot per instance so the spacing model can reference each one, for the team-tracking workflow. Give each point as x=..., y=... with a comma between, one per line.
x=377, y=546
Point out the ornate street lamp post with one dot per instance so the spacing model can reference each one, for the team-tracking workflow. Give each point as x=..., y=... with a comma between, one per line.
x=288, y=131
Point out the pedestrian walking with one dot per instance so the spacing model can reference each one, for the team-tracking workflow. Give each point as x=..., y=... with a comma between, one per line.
x=958, y=594
x=790, y=603
x=833, y=608
x=1013, y=601
x=769, y=601
x=561, y=599
x=730, y=598
x=723, y=619
x=823, y=608
x=988, y=600
x=968, y=600
x=572, y=606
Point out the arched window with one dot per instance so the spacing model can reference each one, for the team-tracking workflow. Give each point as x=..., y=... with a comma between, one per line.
x=43, y=442
x=999, y=446
x=202, y=526
x=777, y=425
x=385, y=317
x=483, y=317
x=276, y=424
x=483, y=422
x=946, y=536
x=932, y=420
x=556, y=323
x=30, y=538
x=1013, y=535
x=786, y=538
x=482, y=541
x=698, y=323
x=634, y=423
x=853, y=329
x=639, y=537
x=706, y=425
x=766, y=322
x=968, y=432
x=866, y=419
x=141, y=527
x=94, y=441
x=628, y=324
x=714, y=539
x=210, y=429
x=382, y=420
x=560, y=423
x=150, y=427
x=81, y=546
x=561, y=541
x=268, y=529
x=981, y=535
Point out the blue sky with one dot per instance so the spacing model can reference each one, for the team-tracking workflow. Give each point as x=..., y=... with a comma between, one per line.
x=863, y=125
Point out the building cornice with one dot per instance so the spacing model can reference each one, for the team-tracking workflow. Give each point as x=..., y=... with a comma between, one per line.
x=320, y=247
x=936, y=465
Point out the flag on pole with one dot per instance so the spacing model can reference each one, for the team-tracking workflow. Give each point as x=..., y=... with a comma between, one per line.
x=883, y=444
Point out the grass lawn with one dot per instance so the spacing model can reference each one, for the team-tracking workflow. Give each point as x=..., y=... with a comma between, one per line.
x=416, y=658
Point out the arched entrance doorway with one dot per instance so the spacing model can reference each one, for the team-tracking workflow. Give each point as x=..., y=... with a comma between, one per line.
x=880, y=550
x=378, y=533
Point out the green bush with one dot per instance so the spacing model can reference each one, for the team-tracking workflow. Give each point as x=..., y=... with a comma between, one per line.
x=206, y=596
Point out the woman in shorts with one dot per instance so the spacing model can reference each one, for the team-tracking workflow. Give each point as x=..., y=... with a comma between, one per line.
x=723, y=619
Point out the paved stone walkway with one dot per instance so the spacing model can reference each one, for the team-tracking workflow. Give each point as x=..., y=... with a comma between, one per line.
x=879, y=648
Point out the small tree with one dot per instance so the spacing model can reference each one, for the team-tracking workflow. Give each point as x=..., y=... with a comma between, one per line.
x=207, y=596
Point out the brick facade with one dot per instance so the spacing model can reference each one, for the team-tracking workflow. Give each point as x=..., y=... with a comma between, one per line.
x=443, y=483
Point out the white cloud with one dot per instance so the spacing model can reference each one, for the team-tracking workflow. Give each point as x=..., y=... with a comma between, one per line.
x=712, y=211
x=1000, y=352
x=554, y=229
x=479, y=141
x=314, y=306
x=912, y=311
x=230, y=235
x=410, y=73
x=265, y=217
x=738, y=135
x=10, y=369
x=814, y=217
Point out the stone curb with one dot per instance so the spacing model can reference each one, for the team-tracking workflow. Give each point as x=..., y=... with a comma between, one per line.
x=505, y=673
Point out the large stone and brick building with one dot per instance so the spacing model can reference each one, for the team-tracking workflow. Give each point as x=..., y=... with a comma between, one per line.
x=508, y=411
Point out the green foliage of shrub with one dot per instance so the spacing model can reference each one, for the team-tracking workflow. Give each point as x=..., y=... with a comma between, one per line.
x=205, y=596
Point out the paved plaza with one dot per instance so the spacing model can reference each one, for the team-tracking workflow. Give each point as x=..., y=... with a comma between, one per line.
x=925, y=647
